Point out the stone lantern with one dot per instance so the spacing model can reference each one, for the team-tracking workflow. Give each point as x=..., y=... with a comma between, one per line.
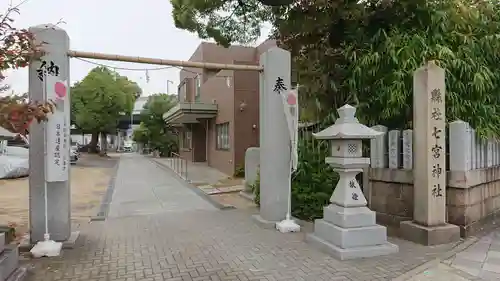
x=348, y=229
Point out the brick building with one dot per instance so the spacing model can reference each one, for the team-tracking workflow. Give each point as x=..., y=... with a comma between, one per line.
x=218, y=114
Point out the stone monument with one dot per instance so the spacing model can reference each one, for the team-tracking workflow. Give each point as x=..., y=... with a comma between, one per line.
x=54, y=62
x=348, y=229
x=252, y=155
x=429, y=225
x=274, y=156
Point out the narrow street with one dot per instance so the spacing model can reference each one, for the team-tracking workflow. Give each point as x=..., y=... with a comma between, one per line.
x=159, y=229
x=142, y=188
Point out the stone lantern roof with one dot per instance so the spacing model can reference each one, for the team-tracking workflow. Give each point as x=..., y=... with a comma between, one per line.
x=347, y=126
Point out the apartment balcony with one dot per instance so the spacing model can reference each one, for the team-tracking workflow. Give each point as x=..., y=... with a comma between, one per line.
x=186, y=113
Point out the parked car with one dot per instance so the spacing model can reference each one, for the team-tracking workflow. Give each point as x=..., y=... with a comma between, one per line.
x=127, y=146
x=17, y=142
x=76, y=147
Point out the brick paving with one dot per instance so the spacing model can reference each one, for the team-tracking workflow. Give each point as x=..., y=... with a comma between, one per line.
x=481, y=259
x=208, y=245
x=440, y=272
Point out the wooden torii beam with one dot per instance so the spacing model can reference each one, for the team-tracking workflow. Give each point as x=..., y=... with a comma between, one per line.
x=191, y=64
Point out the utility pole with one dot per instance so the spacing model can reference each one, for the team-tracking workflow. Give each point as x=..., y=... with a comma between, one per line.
x=168, y=82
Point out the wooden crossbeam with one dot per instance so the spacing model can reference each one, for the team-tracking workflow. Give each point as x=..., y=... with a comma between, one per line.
x=190, y=64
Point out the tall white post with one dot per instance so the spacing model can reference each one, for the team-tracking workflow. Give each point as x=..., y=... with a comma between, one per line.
x=378, y=147
x=55, y=62
x=274, y=137
x=408, y=149
x=460, y=146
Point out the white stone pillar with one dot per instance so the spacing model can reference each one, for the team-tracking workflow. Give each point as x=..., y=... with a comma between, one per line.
x=394, y=150
x=473, y=149
x=252, y=162
x=56, y=63
x=497, y=154
x=460, y=146
x=429, y=225
x=489, y=153
x=274, y=137
x=408, y=149
x=482, y=153
x=378, y=148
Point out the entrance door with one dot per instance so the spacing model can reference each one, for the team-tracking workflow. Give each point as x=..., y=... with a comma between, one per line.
x=199, y=142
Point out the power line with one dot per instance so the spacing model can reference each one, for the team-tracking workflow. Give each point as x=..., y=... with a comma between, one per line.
x=125, y=68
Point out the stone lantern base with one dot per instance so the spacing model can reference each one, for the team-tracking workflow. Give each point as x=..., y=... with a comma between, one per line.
x=350, y=233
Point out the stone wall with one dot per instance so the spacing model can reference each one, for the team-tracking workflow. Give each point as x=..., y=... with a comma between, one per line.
x=472, y=197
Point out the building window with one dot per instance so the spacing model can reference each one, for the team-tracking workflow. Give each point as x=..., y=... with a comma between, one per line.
x=222, y=135
x=197, y=81
x=186, y=139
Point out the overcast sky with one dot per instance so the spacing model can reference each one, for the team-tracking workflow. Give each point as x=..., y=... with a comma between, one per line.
x=124, y=27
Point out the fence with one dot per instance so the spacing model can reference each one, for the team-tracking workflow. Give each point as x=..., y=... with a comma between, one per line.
x=179, y=165
x=472, y=177
x=465, y=151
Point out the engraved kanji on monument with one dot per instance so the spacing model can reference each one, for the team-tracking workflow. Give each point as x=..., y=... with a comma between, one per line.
x=348, y=229
x=408, y=149
x=378, y=147
x=429, y=138
x=394, y=151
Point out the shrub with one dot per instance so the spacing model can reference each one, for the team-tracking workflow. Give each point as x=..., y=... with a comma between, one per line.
x=239, y=172
x=312, y=183
x=256, y=189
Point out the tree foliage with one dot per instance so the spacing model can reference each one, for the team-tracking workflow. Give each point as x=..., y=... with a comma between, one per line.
x=100, y=99
x=153, y=130
x=365, y=52
x=141, y=134
x=370, y=59
x=222, y=20
x=17, y=48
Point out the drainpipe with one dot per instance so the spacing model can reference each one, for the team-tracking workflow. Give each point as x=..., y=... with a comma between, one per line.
x=192, y=142
x=206, y=141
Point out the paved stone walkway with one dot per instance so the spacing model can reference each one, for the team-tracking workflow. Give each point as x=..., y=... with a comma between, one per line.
x=440, y=272
x=481, y=259
x=142, y=188
x=195, y=242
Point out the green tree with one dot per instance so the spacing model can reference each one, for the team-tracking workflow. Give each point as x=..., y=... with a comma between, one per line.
x=159, y=136
x=17, y=49
x=225, y=21
x=99, y=100
x=364, y=52
x=141, y=134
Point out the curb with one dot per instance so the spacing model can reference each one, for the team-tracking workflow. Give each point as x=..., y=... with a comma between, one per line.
x=193, y=188
x=108, y=197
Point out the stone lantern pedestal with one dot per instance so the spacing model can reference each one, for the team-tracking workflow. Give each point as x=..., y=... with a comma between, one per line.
x=348, y=229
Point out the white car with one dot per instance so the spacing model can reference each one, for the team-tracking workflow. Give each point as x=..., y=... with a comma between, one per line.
x=127, y=147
